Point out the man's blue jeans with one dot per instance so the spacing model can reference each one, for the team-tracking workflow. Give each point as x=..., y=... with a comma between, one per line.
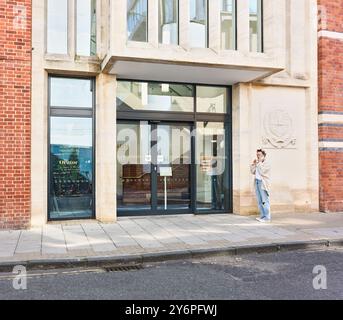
x=262, y=200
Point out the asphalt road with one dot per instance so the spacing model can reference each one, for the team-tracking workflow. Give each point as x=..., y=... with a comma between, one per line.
x=283, y=275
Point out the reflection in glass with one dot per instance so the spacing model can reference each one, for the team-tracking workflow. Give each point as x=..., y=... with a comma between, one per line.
x=168, y=21
x=255, y=23
x=86, y=27
x=137, y=17
x=198, y=27
x=173, y=162
x=57, y=26
x=228, y=25
x=71, y=168
x=71, y=92
x=133, y=166
x=154, y=96
x=211, y=99
x=210, y=155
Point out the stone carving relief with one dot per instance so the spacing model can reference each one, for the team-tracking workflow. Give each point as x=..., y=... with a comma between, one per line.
x=278, y=129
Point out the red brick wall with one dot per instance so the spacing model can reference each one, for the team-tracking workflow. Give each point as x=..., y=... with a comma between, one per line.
x=15, y=108
x=331, y=102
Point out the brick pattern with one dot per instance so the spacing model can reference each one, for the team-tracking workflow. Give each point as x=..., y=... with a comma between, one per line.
x=332, y=12
x=15, y=109
x=330, y=55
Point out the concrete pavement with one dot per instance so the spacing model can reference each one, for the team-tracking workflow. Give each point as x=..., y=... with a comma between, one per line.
x=157, y=238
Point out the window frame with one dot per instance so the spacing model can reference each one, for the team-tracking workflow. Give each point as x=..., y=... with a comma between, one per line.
x=71, y=112
x=191, y=118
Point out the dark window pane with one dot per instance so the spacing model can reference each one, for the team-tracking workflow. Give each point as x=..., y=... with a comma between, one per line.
x=137, y=20
x=210, y=159
x=68, y=92
x=71, y=168
x=211, y=99
x=154, y=96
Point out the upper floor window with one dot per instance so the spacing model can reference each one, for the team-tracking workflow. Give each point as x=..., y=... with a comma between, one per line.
x=137, y=20
x=255, y=25
x=57, y=26
x=59, y=21
x=86, y=27
x=228, y=24
x=198, y=29
x=168, y=21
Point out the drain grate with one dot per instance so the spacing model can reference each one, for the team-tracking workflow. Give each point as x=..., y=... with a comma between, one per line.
x=123, y=268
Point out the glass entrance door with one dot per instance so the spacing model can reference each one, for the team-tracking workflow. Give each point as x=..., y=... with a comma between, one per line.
x=172, y=155
x=153, y=168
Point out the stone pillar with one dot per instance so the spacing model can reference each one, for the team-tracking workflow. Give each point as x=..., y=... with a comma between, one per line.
x=243, y=26
x=105, y=148
x=214, y=25
x=184, y=24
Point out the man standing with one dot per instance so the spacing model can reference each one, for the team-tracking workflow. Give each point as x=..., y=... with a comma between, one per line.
x=260, y=168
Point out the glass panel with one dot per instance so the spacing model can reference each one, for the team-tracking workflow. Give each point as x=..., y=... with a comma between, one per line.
x=137, y=20
x=154, y=96
x=57, y=26
x=255, y=25
x=210, y=163
x=69, y=92
x=228, y=25
x=133, y=166
x=198, y=23
x=168, y=21
x=174, y=164
x=86, y=27
x=71, y=168
x=211, y=99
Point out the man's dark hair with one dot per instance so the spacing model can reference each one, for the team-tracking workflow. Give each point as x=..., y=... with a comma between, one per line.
x=262, y=151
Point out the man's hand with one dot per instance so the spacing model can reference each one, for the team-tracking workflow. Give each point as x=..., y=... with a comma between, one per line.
x=255, y=162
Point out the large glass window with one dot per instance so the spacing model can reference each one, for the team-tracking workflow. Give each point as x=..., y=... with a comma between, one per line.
x=86, y=27
x=154, y=96
x=255, y=23
x=211, y=160
x=211, y=99
x=198, y=29
x=71, y=181
x=71, y=168
x=168, y=21
x=57, y=26
x=71, y=93
x=228, y=24
x=137, y=20
x=173, y=162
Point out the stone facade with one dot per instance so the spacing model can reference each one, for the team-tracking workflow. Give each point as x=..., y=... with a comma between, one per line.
x=275, y=100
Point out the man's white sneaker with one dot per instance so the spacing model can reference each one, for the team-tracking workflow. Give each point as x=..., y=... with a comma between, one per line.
x=258, y=219
x=265, y=220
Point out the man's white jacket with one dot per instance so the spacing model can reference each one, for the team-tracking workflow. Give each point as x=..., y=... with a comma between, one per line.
x=264, y=170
